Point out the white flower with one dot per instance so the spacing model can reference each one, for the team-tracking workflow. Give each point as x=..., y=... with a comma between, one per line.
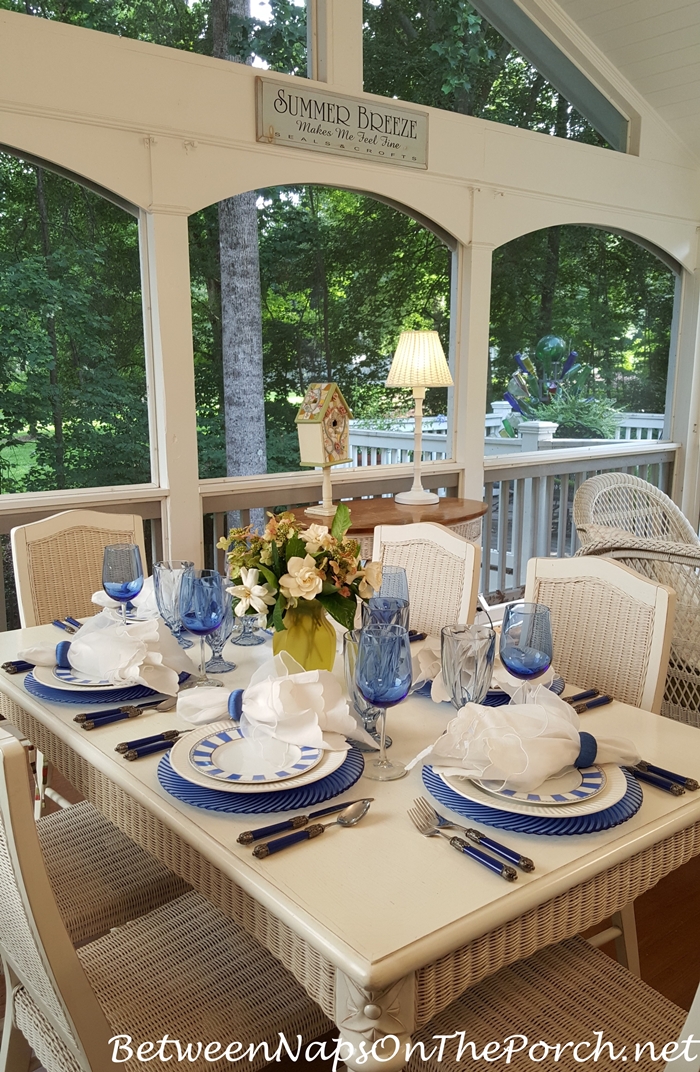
x=302, y=580
x=315, y=537
x=251, y=594
x=371, y=579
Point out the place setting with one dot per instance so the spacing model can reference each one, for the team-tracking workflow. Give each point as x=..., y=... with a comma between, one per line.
x=525, y=764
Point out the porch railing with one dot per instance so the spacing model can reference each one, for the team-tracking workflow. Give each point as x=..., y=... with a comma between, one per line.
x=529, y=499
x=529, y=503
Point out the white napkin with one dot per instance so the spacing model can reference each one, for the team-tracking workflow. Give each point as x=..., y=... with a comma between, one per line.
x=145, y=602
x=138, y=653
x=519, y=746
x=426, y=662
x=283, y=702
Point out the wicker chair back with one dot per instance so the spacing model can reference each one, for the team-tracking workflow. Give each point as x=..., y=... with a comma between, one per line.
x=611, y=628
x=442, y=570
x=58, y=561
x=622, y=501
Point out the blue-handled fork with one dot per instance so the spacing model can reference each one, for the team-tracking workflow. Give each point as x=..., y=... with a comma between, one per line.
x=428, y=813
x=430, y=828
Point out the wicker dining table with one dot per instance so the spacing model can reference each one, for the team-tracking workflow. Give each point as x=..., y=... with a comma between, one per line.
x=382, y=927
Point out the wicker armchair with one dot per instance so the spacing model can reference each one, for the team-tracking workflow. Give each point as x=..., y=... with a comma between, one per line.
x=58, y=561
x=184, y=970
x=621, y=501
x=442, y=570
x=676, y=565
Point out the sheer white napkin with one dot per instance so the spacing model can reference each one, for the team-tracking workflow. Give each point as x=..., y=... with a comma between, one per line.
x=519, y=746
x=138, y=653
x=145, y=602
x=283, y=702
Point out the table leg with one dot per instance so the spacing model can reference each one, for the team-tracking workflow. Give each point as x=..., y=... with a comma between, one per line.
x=376, y=1023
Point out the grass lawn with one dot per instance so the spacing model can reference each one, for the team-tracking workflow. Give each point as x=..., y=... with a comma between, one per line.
x=17, y=461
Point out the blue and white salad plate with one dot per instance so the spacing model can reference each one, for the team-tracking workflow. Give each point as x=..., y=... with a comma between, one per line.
x=286, y=799
x=612, y=791
x=182, y=764
x=228, y=756
x=63, y=676
x=530, y=823
x=573, y=786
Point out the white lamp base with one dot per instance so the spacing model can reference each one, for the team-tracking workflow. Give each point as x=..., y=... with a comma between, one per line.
x=321, y=511
x=417, y=498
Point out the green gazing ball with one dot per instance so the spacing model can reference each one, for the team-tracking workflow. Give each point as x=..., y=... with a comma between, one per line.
x=551, y=348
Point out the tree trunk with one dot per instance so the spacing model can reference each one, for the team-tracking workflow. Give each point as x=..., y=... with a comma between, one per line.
x=241, y=315
x=55, y=387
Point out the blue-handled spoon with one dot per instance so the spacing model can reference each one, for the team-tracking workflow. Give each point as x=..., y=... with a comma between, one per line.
x=349, y=817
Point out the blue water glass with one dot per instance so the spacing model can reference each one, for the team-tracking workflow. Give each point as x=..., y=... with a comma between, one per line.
x=385, y=610
x=167, y=577
x=526, y=640
x=217, y=641
x=384, y=676
x=203, y=599
x=367, y=712
x=467, y=654
x=122, y=573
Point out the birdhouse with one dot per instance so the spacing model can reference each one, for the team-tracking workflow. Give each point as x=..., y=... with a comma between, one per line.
x=323, y=424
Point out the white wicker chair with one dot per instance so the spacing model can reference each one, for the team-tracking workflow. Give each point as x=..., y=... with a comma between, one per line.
x=442, y=570
x=611, y=628
x=621, y=501
x=677, y=565
x=58, y=561
x=184, y=970
x=564, y=994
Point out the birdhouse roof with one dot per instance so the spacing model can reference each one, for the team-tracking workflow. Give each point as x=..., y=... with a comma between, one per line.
x=317, y=400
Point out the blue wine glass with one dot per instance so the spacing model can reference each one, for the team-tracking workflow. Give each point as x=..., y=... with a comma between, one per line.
x=167, y=577
x=367, y=712
x=122, y=573
x=217, y=641
x=526, y=641
x=202, y=607
x=385, y=610
x=384, y=677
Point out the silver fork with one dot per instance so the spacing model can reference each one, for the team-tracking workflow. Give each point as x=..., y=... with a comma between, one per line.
x=426, y=810
x=428, y=829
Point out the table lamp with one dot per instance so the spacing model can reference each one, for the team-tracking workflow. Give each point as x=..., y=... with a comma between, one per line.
x=419, y=362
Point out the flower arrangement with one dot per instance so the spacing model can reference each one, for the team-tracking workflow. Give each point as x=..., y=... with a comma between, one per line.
x=287, y=566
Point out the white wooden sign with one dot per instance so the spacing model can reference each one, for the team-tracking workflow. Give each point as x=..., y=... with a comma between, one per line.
x=334, y=123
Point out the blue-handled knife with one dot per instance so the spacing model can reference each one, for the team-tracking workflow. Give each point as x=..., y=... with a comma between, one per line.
x=655, y=779
x=506, y=872
x=687, y=783
x=17, y=666
x=295, y=823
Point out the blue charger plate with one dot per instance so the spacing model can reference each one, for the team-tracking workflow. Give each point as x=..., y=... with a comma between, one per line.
x=618, y=813
x=252, y=803
x=86, y=697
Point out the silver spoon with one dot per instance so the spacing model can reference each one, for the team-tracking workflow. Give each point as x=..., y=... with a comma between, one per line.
x=349, y=817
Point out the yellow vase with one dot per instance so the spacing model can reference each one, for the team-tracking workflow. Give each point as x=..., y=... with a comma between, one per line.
x=308, y=636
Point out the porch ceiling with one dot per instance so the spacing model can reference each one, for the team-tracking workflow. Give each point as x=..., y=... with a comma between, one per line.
x=656, y=46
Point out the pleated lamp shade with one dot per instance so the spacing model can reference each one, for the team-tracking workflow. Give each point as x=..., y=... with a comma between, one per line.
x=419, y=361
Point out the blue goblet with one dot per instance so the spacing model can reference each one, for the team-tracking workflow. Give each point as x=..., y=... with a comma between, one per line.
x=385, y=610
x=526, y=641
x=167, y=577
x=384, y=677
x=202, y=607
x=368, y=713
x=122, y=573
x=217, y=640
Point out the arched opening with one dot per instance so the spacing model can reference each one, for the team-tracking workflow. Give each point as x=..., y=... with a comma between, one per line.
x=341, y=274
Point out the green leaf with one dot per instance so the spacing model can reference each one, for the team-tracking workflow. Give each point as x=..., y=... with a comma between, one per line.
x=340, y=608
x=341, y=522
x=277, y=613
x=296, y=548
x=269, y=577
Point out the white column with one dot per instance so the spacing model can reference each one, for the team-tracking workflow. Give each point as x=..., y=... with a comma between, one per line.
x=683, y=398
x=335, y=43
x=470, y=343
x=165, y=275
